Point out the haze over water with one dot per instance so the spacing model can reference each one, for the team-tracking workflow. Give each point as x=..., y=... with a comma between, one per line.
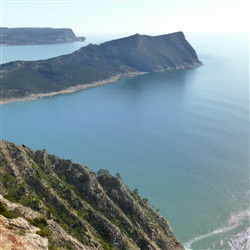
x=181, y=138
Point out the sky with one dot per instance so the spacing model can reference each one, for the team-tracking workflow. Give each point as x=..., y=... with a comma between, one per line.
x=128, y=17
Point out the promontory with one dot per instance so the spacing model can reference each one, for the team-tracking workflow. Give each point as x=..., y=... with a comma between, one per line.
x=96, y=64
x=34, y=36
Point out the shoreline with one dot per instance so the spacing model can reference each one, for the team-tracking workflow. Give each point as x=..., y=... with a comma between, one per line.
x=33, y=44
x=80, y=87
x=72, y=89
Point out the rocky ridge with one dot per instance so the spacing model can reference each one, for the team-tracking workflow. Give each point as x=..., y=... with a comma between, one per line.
x=63, y=205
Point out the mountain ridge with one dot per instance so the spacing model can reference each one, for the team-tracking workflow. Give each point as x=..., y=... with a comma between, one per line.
x=74, y=208
x=96, y=64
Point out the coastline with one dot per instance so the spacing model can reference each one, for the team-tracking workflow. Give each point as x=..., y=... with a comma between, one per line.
x=72, y=89
x=30, y=44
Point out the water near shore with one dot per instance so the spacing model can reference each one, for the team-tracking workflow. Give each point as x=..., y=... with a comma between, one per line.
x=37, y=52
x=181, y=138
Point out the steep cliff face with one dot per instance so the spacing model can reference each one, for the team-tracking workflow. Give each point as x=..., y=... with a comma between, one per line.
x=131, y=55
x=33, y=36
x=22, y=228
x=71, y=207
x=150, y=54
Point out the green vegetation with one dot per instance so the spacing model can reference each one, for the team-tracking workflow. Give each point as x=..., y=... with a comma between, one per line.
x=43, y=232
x=136, y=192
x=15, y=190
x=98, y=210
x=104, y=244
x=130, y=55
x=118, y=176
x=6, y=213
x=51, y=247
x=103, y=172
x=40, y=222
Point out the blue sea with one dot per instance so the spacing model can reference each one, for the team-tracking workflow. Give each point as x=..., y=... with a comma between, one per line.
x=180, y=138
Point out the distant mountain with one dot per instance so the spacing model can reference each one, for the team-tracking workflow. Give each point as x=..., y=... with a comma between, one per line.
x=96, y=64
x=50, y=203
x=31, y=36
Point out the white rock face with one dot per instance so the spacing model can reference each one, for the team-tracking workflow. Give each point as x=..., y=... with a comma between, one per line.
x=18, y=234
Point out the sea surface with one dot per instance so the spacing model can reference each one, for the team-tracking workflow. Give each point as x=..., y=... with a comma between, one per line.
x=181, y=138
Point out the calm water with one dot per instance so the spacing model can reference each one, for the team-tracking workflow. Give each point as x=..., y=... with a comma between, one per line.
x=35, y=52
x=181, y=138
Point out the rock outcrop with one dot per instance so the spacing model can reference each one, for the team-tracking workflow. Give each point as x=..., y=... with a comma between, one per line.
x=94, y=64
x=34, y=36
x=59, y=204
x=18, y=234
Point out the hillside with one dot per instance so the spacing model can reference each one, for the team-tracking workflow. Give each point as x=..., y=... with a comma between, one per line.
x=54, y=203
x=34, y=36
x=96, y=64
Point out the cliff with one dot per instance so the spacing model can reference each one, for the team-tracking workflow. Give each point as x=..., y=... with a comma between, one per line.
x=33, y=36
x=96, y=64
x=58, y=204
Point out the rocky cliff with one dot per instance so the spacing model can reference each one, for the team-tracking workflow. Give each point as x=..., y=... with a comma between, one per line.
x=57, y=204
x=95, y=64
x=33, y=36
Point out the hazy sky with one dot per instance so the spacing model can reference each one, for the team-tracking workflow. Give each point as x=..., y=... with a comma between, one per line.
x=127, y=17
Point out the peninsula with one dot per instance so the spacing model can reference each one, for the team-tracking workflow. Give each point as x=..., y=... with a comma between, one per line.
x=51, y=203
x=94, y=65
x=34, y=36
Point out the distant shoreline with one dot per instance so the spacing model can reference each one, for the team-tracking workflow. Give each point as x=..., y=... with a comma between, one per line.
x=37, y=36
x=34, y=44
x=72, y=89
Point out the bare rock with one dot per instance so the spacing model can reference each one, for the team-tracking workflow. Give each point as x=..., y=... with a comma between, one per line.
x=18, y=234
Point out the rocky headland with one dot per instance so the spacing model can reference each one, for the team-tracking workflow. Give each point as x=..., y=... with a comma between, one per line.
x=93, y=65
x=35, y=36
x=51, y=203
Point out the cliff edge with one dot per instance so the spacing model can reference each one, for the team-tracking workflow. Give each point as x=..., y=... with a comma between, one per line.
x=59, y=204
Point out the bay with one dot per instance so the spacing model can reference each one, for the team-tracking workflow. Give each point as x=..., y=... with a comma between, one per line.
x=181, y=138
x=37, y=52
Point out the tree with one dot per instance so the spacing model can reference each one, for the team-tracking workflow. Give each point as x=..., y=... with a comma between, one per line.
x=103, y=172
x=118, y=176
x=136, y=192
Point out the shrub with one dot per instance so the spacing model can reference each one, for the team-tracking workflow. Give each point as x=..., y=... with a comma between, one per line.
x=6, y=213
x=40, y=222
x=43, y=232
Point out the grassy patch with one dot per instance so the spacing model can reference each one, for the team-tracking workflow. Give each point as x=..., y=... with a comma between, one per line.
x=44, y=232
x=6, y=213
x=40, y=222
